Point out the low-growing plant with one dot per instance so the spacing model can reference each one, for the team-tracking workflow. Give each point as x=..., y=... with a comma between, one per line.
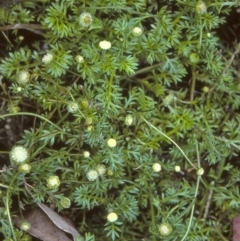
x=127, y=115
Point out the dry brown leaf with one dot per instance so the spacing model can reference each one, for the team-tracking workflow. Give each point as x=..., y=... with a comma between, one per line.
x=59, y=221
x=41, y=226
x=236, y=229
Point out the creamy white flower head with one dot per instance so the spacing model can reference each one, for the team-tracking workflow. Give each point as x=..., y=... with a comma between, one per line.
x=105, y=44
x=92, y=175
x=19, y=89
x=156, y=167
x=128, y=120
x=165, y=229
x=53, y=182
x=85, y=19
x=23, y=77
x=177, y=168
x=25, y=226
x=201, y=7
x=19, y=154
x=79, y=59
x=101, y=169
x=112, y=217
x=72, y=107
x=111, y=142
x=47, y=58
x=137, y=31
x=200, y=171
x=86, y=154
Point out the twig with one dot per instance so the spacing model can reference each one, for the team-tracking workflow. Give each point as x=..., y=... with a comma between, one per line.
x=36, y=28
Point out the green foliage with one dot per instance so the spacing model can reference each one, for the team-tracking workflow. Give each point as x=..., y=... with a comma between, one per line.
x=180, y=90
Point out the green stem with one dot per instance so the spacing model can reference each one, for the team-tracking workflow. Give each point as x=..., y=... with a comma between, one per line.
x=151, y=210
x=31, y=114
x=110, y=88
x=200, y=37
x=7, y=206
x=193, y=85
x=171, y=140
x=192, y=210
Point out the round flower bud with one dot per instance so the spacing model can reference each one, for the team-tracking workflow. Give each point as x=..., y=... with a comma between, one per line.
x=128, y=120
x=23, y=77
x=85, y=19
x=24, y=168
x=177, y=168
x=205, y=89
x=21, y=38
x=200, y=171
x=111, y=142
x=112, y=217
x=72, y=107
x=19, y=154
x=194, y=58
x=165, y=229
x=79, y=59
x=88, y=121
x=19, y=89
x=110, y=173
x=86, y=154
x=156, y=167
x=92, y=175
x=84, y=103
x=105, y=44
x=101, y=169
x=201, y=7
x=90, y=128
x=137, y=31
x=25, y=226
x=53, y=182
x=65, y=202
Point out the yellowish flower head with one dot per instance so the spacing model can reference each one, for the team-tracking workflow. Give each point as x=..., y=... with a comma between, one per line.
x=92, y=175
x=105, y=44
x=23, y=77
x=111, y=142
x=137, y=31
x=112, y=217
x=156, y=167
x=53, y=182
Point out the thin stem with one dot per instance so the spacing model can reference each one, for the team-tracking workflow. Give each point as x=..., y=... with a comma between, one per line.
x=110, y=88
x=193, y=84
x=171, y=140
x=8, y=208
x=31, y=114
